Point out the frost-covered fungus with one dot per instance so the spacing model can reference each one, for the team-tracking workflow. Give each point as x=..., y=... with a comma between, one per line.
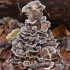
x=35, y=45
x=33, y=5
x=25, y=30
x=34, y=11
x=15, y=41
x=45, y=25
x=43, y=18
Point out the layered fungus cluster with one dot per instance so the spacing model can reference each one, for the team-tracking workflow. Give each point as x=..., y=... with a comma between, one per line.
x=34, y=47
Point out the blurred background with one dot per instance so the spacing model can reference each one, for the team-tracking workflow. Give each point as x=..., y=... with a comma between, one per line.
x=57, y=11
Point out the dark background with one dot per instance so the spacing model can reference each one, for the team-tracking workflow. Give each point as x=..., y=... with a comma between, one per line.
x=57, y=11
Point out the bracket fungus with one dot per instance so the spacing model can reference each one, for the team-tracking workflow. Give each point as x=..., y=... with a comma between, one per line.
x=35, y=46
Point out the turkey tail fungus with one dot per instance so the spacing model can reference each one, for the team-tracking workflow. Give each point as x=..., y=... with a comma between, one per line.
x=35, y=47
